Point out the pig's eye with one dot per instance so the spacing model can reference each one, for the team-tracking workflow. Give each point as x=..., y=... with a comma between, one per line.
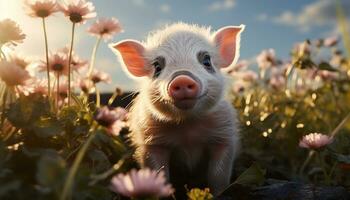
x=158, y=65
x=204, y=59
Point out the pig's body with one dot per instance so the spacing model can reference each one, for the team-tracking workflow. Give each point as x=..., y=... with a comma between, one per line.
x=212, y=136
x=180, y=111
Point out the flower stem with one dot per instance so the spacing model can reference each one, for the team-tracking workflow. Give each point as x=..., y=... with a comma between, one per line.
x=333, y=170
x=47, y=59
x=69, y=64
x=262, y=74
x=323, y=166
x=340, y=125
x=4, y=99
x=98, y=97
x=93, y=57
x=2, y=54
x=58, y=90
x=67, y=189
x=306, y=162
x=113, y=97
x=109, y=172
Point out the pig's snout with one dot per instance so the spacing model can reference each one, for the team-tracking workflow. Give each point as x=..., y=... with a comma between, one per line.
x=184, y=91
x=183, y=87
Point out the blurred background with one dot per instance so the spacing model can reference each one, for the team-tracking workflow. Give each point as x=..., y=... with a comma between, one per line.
x=270, y=24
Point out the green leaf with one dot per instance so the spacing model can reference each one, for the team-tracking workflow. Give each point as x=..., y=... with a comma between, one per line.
x=51, y=171
x=47, y=127
x=100, y=160
x=304, y=63
x=326, y=66
x=27, y=110
x=9, y=186
x=253, y=176
x=69, y=114
x=4, y=155
x=341, y=158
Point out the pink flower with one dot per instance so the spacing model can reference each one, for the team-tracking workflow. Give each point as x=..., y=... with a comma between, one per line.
x=277, y=82
x=266, y=59
x=117, y=127
x=78, y=11
x=315, y=141
x=239, y=87
x=142, y=183
x=86, y=85
x=40, y=87
x=327, y=75
x=99, y=76
x=62, y=92
x=23, y=62
x=311, y=73
x=40, y=8
x=331, y=41
x=77, y=63
x=112, y=119
x=20, y=60
x=105, y=28
x=241, y=65
x=35, y=86
x=10, y=33
x=249, y=76
x=12, y=74
x=58, y=64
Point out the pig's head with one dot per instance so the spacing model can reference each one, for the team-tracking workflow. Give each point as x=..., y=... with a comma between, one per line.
x=181, y=67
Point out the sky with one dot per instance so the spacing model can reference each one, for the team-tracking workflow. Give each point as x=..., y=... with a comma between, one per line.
x=277, y=24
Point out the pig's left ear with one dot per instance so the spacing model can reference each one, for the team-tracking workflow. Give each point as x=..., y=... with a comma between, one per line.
x=227, y=40
x=131, y=55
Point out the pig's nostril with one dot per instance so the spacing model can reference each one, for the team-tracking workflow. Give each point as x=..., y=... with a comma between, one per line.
x=177, y=88
x=190, y=86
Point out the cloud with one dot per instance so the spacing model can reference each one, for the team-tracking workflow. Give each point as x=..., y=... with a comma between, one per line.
x=138, y=2
x=319, y=13
x=220, y=5
x=262, y=17
x=165, y=8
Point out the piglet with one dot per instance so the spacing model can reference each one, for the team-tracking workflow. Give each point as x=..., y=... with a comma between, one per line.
x=180, y=117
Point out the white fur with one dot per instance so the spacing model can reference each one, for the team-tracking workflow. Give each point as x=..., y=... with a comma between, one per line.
x=158, y=127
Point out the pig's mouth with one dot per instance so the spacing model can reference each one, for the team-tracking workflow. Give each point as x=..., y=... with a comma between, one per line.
x=188, y=103
x=185, y=104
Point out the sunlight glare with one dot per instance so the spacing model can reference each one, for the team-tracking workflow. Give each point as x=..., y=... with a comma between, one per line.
x=10, y=9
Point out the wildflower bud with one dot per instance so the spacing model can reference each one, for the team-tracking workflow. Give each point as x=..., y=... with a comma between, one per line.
x=118, y=91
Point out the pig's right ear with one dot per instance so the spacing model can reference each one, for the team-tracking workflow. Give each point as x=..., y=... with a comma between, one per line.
x=131, y=55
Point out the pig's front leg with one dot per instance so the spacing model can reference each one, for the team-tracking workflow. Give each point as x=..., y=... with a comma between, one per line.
x=220, y=167
x=156, y=157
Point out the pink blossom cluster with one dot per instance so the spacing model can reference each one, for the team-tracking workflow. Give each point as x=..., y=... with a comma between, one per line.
x=19, y=72
x=304, y=71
